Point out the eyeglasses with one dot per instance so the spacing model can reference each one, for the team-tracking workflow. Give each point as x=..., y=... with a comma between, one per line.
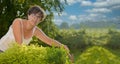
x=38, y=16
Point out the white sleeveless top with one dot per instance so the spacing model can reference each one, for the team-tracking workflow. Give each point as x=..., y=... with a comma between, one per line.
x=9, y=39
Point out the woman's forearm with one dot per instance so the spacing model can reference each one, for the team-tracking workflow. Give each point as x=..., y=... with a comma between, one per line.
x=56, y=43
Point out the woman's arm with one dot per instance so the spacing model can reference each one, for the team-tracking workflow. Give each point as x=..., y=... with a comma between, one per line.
x=17, y=30
x=43, y=37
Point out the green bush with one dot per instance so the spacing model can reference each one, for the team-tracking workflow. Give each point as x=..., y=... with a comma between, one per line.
x=114, y=40
x=96, y=38
x=97, y=55
x=73, y=39
x=81, y=39
x=34, y=54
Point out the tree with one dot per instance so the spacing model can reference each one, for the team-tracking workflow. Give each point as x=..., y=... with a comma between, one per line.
x=64, y=25
x=10, y=9
x=75, y=26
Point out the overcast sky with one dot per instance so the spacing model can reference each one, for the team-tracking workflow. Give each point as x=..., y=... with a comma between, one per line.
x=93, y=10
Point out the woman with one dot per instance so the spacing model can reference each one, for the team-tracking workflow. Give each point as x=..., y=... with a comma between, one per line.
x=22, y=30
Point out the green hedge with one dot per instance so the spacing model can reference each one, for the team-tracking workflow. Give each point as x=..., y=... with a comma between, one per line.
x=34, y=54
x=97, y=55
x=73, y=39
x=81, y=39
x=114, y=40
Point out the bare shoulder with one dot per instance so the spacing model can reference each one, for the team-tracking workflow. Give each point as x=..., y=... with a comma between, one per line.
x=16, y=22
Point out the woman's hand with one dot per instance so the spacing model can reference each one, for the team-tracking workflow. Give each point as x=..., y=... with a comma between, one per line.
x=70, y=56
x=66, y=48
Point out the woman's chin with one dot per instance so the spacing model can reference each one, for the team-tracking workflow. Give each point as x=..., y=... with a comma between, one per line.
x=33, y=24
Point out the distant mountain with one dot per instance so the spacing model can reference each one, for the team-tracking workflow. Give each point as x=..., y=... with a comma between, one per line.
x=91, y=24
x=100, y=24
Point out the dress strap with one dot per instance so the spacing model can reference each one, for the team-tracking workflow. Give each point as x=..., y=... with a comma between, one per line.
x=34, y=30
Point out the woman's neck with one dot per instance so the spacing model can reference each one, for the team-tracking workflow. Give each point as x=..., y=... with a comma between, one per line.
x=29, y=26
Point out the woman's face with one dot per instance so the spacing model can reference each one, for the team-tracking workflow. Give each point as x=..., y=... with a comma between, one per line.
x=34, y=19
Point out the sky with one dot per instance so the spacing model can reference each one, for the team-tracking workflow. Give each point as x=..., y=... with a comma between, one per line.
x=89, y=10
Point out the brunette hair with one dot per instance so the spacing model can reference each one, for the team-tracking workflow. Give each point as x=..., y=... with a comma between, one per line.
x=37, y=9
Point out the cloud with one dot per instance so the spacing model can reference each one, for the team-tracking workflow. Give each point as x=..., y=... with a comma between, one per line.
x=71, y=2
x=115, y=7
x=100, y=3
x=97, y=3
x=96, y=15
x=92, y=17
x=95, y=12
x=99, y=10
x=86, y=3
x=116, y=18
x=58, y=21
x=113, y=2
x=106, y=3
x=62, y=14
x=73, y=17
x=55, y=14
x=62, y=0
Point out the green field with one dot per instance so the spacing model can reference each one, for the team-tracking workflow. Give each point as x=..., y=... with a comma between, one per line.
x=80, y=41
